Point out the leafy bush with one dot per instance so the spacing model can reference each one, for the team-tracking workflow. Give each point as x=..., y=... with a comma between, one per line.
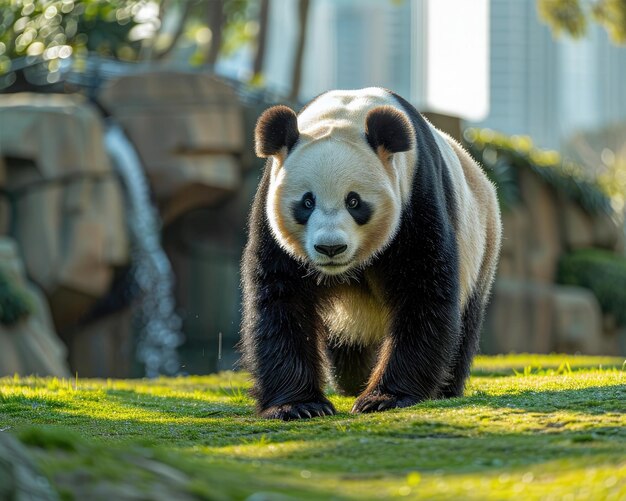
x=15, y=303
x=50, y=31
x=573, y=17
x=53, y=29
x=601, y=271
x=503, y=156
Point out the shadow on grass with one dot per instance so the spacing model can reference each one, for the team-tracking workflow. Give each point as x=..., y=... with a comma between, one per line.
x=176, y=407
x=591, y=400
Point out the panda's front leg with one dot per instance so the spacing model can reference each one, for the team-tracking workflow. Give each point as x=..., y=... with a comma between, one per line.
x=413, y=364
x=415, y=360
x=289, y=365
x=282, y=345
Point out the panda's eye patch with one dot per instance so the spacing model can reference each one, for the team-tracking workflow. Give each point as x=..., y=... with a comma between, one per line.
x=303, y=209
x=353, y=200
x=360, y=210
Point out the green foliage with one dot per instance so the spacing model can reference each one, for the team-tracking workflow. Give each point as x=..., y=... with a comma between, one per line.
x=613, y=182
x=564, y=15
x=241, y=26
x=573, y=16
x=55, y=29
x=601, y=271
x=503, y=156
x=612, y=15
x=15, y=302
x=557, y=430
x=129, y=30
x=601, y=150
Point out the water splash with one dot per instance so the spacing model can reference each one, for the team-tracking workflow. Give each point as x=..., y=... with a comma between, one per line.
x=160, y=325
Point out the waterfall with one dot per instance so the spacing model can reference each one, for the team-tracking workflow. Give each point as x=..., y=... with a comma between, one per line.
x=160, y=325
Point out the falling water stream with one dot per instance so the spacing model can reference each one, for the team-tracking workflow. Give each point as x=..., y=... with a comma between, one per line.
x=160, y=325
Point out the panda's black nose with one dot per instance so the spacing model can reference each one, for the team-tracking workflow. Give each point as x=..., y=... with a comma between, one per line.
x=330, y=250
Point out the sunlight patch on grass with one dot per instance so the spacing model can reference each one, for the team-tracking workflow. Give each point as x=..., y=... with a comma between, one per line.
x=528, y=364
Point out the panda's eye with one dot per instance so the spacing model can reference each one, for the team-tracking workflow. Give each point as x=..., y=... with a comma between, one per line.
x=360, y=210
x=353, y=200
x=308, y=201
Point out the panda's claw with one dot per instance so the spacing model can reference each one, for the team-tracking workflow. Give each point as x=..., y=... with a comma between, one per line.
x=376, y=402
x=303, y=410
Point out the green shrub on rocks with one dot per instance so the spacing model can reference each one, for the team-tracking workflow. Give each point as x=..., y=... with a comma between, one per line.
x=15, y=303
x=503, y=156
x=603, y=272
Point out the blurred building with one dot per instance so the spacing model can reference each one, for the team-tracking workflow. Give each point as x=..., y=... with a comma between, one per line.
x=412, y=47
x=549, y=88
x=349, y=43
x=362, y=43
x=494, y=63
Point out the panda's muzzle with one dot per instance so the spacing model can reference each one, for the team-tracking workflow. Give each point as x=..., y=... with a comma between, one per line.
x=338, y=262
x=334, y=265
x=331, y=250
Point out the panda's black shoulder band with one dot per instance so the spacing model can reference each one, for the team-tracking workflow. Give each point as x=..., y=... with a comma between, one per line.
x=276, y=129
x=388, y=127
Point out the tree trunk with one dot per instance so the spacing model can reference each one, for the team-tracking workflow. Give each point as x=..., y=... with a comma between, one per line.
x=216, y=23
x=303, y=15
x=177, y=32
x=257, y=69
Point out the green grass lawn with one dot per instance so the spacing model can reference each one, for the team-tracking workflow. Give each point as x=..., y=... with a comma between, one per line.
x=529, y=427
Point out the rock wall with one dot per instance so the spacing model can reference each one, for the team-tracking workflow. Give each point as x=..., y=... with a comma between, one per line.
x=31, y=345
x=528, y=311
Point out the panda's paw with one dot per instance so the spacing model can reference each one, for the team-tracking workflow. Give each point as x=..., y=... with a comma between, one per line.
x=376, y=402
x=304, y=410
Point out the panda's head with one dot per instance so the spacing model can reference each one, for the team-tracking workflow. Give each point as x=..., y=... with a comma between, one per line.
x=333, y=199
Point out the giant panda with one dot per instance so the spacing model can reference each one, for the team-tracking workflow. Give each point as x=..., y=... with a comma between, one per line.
x=372, y=245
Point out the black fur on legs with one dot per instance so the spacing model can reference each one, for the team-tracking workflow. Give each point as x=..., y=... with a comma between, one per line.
x=471, y=325
x=420, y=273
x=281, y=328
x=352, y=365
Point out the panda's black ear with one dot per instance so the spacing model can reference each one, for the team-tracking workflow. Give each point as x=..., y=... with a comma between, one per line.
x=389, y=128
x=276, y=129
